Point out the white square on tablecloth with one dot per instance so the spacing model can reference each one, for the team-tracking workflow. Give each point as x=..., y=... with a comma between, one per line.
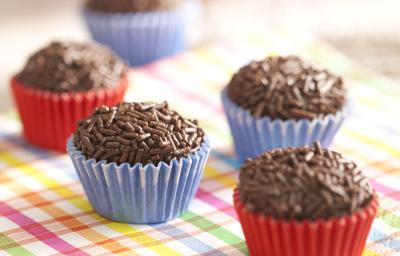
x=37, y=214
x=6, y=224
x=40, y=248
x=76, y=239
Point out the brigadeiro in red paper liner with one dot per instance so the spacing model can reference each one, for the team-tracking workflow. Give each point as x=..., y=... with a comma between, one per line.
x=305, y=201
x=63, y=83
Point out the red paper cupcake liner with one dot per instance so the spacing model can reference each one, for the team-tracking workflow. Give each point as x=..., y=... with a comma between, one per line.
x=48, y=118
x=343, y=236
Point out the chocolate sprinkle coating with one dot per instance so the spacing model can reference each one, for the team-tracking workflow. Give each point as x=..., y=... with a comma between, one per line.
x=137, y=133
x=130, y=6
x=72, y=67
x=287, y=88
x=306, y=183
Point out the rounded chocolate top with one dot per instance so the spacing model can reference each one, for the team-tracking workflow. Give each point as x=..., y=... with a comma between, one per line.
x=137, y=133
x=306, y=183
x=287, y=88
x=72, y=67
x=129, y=6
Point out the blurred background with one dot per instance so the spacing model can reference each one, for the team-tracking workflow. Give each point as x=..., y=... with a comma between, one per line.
x=365, y=30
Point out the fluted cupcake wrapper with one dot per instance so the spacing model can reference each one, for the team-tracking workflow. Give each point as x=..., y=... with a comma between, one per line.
x=140, y=194
x=141, y=37
x=48, y=118
x=275, y=237
x=253, y=136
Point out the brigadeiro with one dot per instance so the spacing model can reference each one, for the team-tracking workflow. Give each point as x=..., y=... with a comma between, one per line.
x=304, y=201
x=140, y=31
x=283, y=102
x=139, y=162
x=61, y=84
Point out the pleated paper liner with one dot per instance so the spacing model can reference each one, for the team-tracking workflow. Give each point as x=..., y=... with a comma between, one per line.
x=343, y=236
x=48, y=118
x=142, y=37
x=140, y=194
x=252, y=136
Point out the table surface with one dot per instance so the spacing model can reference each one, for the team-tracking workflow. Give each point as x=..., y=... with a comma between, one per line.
x=43, y=209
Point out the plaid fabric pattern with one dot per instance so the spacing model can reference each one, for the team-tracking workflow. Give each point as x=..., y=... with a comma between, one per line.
x=43, y=209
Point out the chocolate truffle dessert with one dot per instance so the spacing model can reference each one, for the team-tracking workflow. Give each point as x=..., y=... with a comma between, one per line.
x=140, y=31
x=131, y=6
x=306, y=183
x=72, y=67
x=304, y=201
x=139, y=162
x=287, y=88
x=137, y=133
x=283, y=102
x=61, y=84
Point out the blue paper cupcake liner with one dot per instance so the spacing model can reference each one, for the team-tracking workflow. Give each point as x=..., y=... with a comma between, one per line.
x=254, y=136
x=140, y=38
x=140, y=194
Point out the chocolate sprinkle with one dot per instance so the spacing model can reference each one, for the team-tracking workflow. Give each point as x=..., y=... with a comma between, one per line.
x=141, y=136
x=287, y=88
x=127, y=6
x=72, y=67
x=306, y=183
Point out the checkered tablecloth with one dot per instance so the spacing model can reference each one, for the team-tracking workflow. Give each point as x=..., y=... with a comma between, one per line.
x=43, y=209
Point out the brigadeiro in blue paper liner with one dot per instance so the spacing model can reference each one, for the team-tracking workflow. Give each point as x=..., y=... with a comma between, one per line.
x=139, y=31
x=283, y=102
x=139, y=162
